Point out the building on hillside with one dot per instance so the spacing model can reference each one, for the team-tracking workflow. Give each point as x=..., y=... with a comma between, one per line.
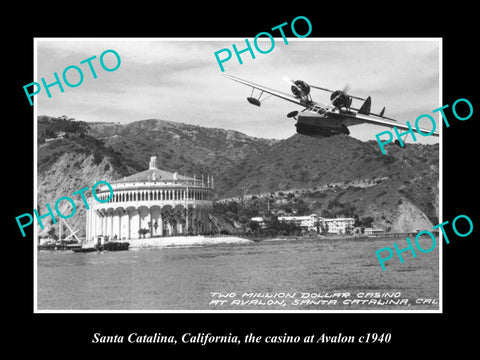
x=60, y=136
x=373, y=231
x=337, y=225
x=315, y=223
x=306, y=223
x=152, y=203
x=259, y=220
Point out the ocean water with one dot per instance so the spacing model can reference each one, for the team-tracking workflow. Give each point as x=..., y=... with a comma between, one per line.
x=279, y=275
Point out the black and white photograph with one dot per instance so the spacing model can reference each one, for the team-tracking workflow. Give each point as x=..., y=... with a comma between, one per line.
x=223, y=180
x=170, y=192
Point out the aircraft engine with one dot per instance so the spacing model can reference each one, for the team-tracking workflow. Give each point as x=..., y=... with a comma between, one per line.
x=300, y=89
x=340, y=99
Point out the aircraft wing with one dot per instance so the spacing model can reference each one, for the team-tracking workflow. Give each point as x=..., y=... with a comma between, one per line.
x=273, y=92
x=382, y=122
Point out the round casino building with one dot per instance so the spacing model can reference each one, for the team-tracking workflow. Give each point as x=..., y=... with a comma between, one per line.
x=151, y=203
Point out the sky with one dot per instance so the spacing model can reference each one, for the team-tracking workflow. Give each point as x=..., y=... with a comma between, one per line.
x=179, y=80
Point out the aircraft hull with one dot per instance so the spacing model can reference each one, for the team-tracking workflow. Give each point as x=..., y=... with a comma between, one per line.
x=315, y=125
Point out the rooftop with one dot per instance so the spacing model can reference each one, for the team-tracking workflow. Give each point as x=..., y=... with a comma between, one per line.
x=154, y=174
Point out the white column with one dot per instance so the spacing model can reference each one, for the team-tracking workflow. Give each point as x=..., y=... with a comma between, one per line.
x=104, y=223
x=111, y=226
x=179, y=225
x=91, y=223
x=87, y=227
x=129, y=235
x=150, y=228
x=160, y=223
x=134, y=224
x=98, y=228
x=94, y=223
x=120, y=216
x=139, y=221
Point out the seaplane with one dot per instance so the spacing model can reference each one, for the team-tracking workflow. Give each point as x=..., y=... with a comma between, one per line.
x=318, y=120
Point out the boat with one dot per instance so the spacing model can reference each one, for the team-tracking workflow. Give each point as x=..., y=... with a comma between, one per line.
x=84, y=249
x=108, y=246
x=115, y=246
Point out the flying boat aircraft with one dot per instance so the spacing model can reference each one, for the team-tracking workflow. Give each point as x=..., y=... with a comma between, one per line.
x=319, y=120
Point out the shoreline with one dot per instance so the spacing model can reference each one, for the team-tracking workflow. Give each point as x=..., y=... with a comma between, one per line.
x=175, y=241
x=201, y=240
x=206, y=240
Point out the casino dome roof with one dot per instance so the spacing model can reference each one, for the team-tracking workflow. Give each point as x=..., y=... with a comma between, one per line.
x=154, y=174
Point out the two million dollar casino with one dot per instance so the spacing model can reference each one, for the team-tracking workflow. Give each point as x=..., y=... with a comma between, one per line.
x=151, y=203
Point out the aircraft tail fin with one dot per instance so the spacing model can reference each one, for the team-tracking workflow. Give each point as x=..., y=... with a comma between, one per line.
x=365, y=109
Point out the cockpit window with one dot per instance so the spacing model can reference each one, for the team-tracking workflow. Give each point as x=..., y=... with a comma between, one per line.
x=319, y=110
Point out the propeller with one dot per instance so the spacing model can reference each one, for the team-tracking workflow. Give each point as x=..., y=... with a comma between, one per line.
x=290, y=81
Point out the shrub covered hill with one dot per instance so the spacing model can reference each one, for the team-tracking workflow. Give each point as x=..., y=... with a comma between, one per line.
x=338, y=176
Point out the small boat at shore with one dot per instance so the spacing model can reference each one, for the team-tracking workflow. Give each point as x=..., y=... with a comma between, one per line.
x=115, y=246
x=107, y=246
x=83, y=250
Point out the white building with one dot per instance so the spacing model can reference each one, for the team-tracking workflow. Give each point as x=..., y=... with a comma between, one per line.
x=337, y=225
x=373, y=231
x=309, y=222
x=151, y=203
x=314, y=223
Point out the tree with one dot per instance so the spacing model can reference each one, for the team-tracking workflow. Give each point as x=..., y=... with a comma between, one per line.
x=326, y=214
x=254, y=226
x=51, y=232
x=367, y=221
x=142, y=232
x=300, y=207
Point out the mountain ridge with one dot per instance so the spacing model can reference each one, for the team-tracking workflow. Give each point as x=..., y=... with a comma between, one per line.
x=340, y=167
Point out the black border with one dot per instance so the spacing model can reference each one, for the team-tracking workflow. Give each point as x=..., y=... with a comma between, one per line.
x=61, y=335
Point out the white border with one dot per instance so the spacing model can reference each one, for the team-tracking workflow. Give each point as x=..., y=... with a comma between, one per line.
x=35, y=231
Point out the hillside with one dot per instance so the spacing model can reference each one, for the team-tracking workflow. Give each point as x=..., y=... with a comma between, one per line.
x=337, y=176
x=186, y=149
